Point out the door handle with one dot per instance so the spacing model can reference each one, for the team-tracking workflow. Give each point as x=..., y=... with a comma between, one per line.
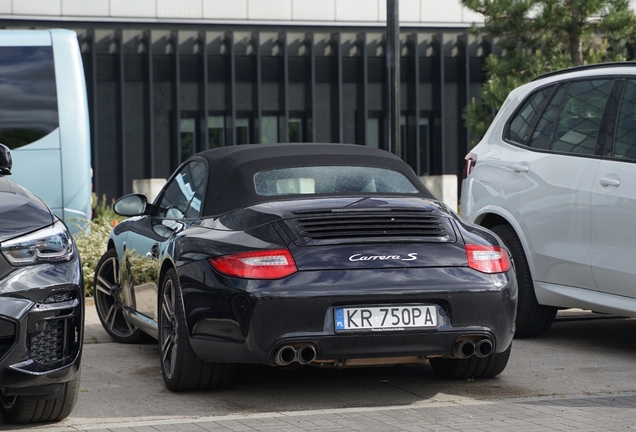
x=521, y=167
x=607, y=181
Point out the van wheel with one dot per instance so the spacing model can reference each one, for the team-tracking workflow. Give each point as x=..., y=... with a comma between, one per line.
x=16, y=409
x=473, y=367
x=181, y=368
x=533, y=319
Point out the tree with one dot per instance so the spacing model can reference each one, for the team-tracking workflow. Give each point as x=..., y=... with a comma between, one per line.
x=538, y=36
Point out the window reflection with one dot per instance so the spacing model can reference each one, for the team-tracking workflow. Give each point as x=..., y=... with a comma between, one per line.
x=28, y=106
x=625, y=147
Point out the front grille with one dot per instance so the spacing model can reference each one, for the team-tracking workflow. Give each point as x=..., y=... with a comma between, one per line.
x=340, y=226
x=48, y=346
x=54, y=329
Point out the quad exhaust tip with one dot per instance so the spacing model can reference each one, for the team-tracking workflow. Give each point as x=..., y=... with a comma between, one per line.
x=306, y=354
x=287, y=355
x=483, y=348
x=466, y=348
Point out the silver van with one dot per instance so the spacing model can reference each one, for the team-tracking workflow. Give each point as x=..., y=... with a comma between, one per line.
x=44, y=117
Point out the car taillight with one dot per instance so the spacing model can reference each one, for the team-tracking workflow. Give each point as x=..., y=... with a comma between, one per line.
x=471, y=160
x=488, y=259
x=267, y=264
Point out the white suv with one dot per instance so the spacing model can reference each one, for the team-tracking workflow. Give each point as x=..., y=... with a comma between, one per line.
x=555, y=178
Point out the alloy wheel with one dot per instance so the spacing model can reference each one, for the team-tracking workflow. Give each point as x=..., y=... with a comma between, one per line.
x=169, y=329
x=109, y=299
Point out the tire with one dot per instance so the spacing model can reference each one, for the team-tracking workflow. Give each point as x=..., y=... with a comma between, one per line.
x=533, y=319
x=473, y=367
x=182, y=370
x=17, y=409
x=109, y=303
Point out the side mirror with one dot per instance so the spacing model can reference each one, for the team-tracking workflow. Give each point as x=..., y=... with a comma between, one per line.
x=131, y=205
x=5, y=160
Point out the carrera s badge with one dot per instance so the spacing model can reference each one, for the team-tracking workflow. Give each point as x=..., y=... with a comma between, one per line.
x=360, y=257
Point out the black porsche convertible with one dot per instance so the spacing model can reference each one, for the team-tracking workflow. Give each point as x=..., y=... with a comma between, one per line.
x=329, y=255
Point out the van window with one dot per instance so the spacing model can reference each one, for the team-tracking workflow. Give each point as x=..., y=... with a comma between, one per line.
x=28, y=106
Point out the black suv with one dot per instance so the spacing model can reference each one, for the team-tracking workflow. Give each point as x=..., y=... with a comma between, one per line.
x=41, y=307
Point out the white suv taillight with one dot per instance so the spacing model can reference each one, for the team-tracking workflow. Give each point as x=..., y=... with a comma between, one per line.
x=471, y=160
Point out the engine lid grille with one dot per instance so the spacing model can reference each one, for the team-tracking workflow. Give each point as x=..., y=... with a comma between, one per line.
x=341, y=226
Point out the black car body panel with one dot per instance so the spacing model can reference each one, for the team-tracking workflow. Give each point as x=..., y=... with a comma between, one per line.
x=245, y=322
x=41, y=329
x=355, y=249
x=20, y=211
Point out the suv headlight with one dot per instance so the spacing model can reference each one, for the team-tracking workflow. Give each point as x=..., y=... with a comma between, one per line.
x=51, y=244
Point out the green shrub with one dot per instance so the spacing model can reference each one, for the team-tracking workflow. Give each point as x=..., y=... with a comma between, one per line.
x=92, y=238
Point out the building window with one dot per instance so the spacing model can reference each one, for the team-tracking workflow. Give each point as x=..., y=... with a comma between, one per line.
x=295, y=130
x=242, y=127
x=269, y=129
x=216, y=131
x=188, y=137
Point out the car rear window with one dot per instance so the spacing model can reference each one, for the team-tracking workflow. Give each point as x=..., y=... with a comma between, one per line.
x=338, y=180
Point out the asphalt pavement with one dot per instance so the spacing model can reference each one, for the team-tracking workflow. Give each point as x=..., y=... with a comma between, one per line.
x=579, y=376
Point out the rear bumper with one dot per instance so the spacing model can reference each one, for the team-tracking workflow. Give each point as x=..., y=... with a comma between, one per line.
x=40, y=339
x=239, y=321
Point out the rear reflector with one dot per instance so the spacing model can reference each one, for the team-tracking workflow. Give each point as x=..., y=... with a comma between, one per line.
x=488, y=259
x=268, y=264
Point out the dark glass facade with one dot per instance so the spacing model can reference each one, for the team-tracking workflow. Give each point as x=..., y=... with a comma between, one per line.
x=159, y=92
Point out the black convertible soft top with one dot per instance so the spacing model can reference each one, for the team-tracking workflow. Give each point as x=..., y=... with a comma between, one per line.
x=232, y=169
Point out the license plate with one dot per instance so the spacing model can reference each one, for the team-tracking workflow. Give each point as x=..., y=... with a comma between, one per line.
x=385, y=318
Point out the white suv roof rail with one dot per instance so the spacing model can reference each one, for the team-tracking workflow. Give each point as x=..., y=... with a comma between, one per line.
x=586, y=67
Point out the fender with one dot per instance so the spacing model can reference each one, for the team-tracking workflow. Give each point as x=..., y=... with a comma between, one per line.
x=509, y=218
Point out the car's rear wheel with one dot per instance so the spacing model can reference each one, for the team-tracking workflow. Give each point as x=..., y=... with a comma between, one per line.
x=109, y=301
x=473, y=367
x=17, y=409
x=533, y=319
x=182, y=369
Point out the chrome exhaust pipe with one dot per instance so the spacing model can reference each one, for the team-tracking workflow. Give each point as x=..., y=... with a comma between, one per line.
x=306, y=354
x=285, y=355
x=464, y=349
x=483, y=348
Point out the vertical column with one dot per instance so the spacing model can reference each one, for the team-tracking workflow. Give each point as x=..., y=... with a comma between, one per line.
x=203, y=43
x=414, y=104
x=177, y=98
x=393, y=69
x=337, y=46
x=229, y=40
x=309, y=40
x=93, y=105
x=282, y=41
x=363, y=92
x=441, y=102
x=258, y=129
x=464, y=101
x=122, y=113
x=150, y=104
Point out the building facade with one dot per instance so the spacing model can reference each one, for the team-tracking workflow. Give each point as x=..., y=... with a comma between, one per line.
x=168, y=78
